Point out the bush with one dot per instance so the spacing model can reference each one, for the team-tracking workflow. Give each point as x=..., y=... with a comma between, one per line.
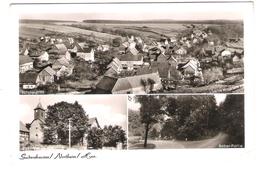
x=95, y=138
x=116, y=42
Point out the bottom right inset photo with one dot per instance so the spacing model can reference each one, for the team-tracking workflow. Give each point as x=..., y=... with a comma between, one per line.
x=186, y=121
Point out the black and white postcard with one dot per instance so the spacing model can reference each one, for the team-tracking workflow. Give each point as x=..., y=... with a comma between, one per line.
x=136, y=86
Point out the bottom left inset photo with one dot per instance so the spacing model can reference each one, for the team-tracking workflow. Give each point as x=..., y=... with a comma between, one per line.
x=50, y=122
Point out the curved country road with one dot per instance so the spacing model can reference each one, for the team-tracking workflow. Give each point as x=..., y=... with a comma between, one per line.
x=174, y=144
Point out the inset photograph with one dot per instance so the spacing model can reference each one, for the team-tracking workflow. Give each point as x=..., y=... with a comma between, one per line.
x=120, y=53
x=186, y=121
x=73, y=122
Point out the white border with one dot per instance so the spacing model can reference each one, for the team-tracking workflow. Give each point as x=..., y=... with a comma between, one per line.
x=141, y=160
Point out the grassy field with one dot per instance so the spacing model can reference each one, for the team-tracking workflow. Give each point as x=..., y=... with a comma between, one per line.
x=28, y=32
x=154, y=30
x=60, y=28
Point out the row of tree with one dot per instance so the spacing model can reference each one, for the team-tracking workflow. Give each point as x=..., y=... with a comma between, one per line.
x=192, y=117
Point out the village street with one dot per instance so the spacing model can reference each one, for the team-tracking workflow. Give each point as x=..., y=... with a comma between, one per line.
x=166, y=144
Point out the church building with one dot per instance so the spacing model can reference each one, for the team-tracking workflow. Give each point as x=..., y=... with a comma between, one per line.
x=36, y=129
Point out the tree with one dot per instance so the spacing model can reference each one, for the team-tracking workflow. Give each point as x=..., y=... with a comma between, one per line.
x=116, y=42
x=95, y=138
x=113, y=135
x=144, y=84
x=57, y=123
x=154, y=133
x=151, y=83
x=191, y=117
x=50, y=134
x=150, y=112
x=232, y=115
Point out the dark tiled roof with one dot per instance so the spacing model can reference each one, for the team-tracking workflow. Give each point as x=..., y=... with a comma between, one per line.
x=122, y=84
x=107, y=83
x=23, y=127
x=145, y=70
x=62, y=49
x=61, y=62
x=49, y=70
x=130, y=57
x=162, y=67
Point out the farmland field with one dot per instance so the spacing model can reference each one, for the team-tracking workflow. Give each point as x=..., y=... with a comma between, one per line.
x=63, y=29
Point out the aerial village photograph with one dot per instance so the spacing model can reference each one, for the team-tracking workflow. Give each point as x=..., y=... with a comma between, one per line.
x=126, y=53
x=73, y=123
x=186, y=121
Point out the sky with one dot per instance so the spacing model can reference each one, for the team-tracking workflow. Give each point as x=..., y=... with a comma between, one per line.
x=199, y=11
x=135, y=105
x=109, y=109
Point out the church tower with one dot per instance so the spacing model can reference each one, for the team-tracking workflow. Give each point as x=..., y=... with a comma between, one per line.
x=39, y=112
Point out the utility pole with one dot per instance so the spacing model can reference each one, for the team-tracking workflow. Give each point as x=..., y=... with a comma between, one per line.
x=69, y=132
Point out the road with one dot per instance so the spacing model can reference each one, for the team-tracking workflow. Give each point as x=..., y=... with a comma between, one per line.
x=174, y=144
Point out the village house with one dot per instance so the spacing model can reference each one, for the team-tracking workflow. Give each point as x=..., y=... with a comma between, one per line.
x=43, y=57
x=190, y=68
x=25, y=63
x=154, y=50
x=62, y=51
x=130, y=62
x=46, y=76
x=24, y=134
x=87, y=55
x=139, y=40
x=181, y=51
x=24, y=50
x=84, y=52
x=226, y=53
x=114, y=67
x=132, y=50
x=130, y=85
x=28, y=80
x=71, y=47
x=103, y=48
x=36, y=128
x=93, y=122
x=62, y=67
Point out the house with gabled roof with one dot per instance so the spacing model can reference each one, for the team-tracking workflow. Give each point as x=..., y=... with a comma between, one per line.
x=114, y=67
x=43, y=56
x=132, y=50
x=46, y=76
x=62, y=67
x=85, y=52
x=93, y=122
x=25, y=63
x=24, y=134
x=130, y=61
x=190, y=68
x=62, y=51
x=137, y=84
x=103, y=47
